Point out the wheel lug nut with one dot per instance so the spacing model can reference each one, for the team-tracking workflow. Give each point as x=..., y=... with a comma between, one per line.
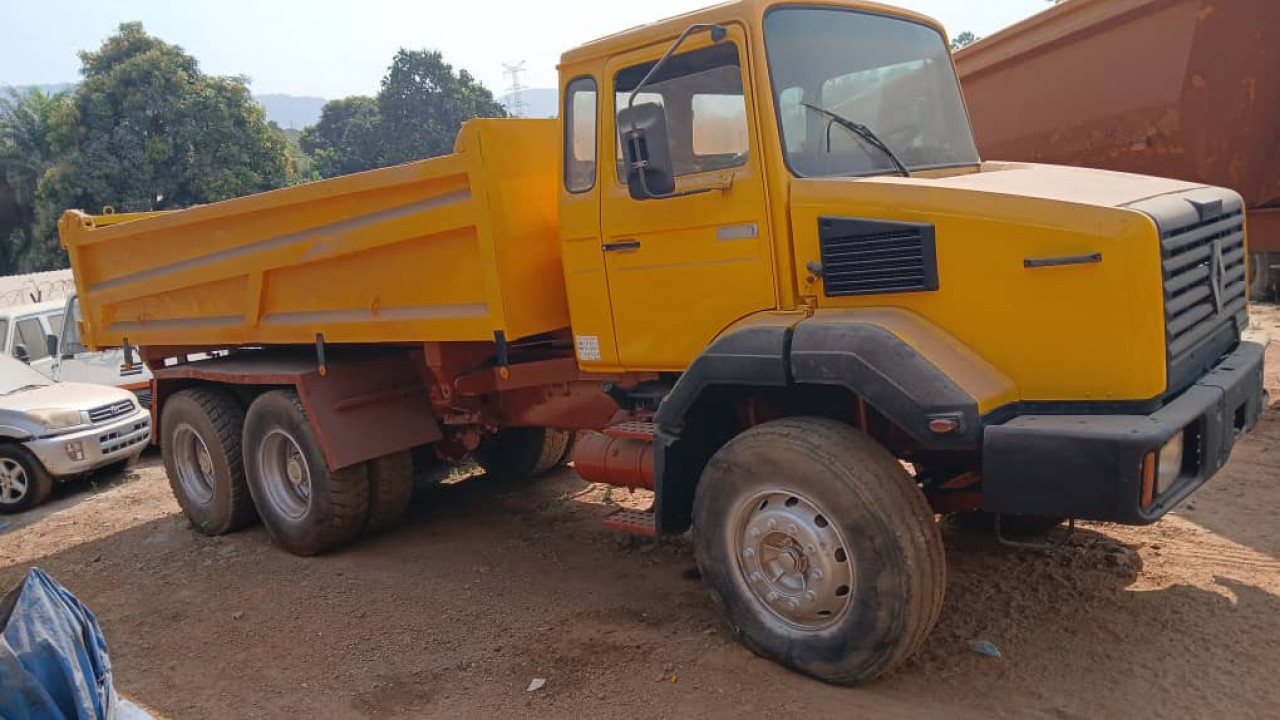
x=773, y=596
x=810, y=597
x=748, y=553
x=755, y=532
x=810, y=548
x=793, y=529
x=793, y=605
x=817, y=573
x=757, y=577
x=772, y=523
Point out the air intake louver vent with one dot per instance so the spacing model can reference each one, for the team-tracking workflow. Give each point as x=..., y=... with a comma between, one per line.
x=875, y=257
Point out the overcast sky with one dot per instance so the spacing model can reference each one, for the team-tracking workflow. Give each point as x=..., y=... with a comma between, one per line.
x=335, y=48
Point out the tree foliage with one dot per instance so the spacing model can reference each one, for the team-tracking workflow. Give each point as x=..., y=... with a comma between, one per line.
x=964, y=39
x=416, y=114
x=345, y=140
x=144, y=130
x=26, y=153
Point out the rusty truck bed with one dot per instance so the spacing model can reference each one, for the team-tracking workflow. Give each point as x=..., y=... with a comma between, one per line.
x=1176, y=88
x=454, y=248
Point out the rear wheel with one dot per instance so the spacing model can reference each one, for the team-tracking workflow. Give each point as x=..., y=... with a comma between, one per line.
x=306, y=507
x=522, y=452
x=24, y=483
x=819, y=549
x=390, y=489
x=200, y=443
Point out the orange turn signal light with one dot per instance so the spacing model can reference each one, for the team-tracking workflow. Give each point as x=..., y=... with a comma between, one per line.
x=1148, y=479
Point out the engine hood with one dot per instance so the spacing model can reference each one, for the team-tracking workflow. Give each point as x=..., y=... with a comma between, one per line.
x=1057, y=183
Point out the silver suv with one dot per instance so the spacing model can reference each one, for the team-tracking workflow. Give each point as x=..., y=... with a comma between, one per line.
x=51, y=430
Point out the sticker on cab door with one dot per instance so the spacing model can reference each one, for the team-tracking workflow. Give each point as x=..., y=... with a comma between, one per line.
x=588, y=347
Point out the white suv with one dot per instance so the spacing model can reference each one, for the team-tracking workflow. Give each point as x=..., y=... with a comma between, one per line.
x=51, y=430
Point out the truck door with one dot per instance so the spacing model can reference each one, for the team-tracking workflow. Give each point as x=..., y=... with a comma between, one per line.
x=682, y=269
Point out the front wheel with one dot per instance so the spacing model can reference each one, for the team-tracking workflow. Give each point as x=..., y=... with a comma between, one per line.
x=24, y=483
x=819, y=549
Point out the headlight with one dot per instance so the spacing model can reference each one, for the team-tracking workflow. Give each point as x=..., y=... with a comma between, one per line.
x=1170, y=463
x=58, y=418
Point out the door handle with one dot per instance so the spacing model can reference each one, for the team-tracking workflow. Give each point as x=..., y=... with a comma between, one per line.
x=621, y=245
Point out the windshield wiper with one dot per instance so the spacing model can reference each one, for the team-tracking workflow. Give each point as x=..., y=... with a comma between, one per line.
x=863, y=132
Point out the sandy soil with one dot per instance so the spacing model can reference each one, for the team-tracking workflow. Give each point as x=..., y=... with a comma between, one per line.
x=490, y=586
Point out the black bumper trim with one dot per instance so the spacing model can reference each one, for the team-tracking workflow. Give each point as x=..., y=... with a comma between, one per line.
x=1090, y=466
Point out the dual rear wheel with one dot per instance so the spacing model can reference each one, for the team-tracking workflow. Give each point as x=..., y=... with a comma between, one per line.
x=227, y=466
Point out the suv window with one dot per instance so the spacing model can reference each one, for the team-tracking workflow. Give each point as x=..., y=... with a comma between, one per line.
x=701, y=92
x=33, y=338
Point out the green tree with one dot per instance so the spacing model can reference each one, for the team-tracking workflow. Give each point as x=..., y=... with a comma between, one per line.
x=423, y=103
x=26, y=154
x=964, y=39
x=346, y=139
x=147, y=130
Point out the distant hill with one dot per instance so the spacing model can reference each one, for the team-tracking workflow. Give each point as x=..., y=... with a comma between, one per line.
x=292, y=111
x=538, y=102
x=287, y=111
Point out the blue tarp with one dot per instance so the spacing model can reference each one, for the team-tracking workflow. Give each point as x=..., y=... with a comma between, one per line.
x=53, y=657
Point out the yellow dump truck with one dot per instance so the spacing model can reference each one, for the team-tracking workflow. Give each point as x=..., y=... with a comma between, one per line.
x=759, y=253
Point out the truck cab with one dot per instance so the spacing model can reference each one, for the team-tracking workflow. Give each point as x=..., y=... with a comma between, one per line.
x=780, y=208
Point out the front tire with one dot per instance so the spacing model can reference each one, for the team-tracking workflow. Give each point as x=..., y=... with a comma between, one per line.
x=200, y=444
x=24, y=483
x=819, y=549
x=306, y=507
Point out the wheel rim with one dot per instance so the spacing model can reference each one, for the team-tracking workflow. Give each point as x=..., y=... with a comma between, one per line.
x=13, y=482
x=285, y=473
x=194, y=464
x=793, y=559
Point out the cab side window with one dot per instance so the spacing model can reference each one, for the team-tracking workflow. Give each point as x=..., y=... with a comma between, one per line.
x=580, y=135
x=701, y=94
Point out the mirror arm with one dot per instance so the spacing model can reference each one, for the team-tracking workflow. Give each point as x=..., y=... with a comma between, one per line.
x=718, y=33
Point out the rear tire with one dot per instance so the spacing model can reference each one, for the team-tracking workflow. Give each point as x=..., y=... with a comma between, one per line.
x=200, y=444
x=522, y=452
x=390, y=490
x=306, y=507
x=24, y=483
x=819, y=549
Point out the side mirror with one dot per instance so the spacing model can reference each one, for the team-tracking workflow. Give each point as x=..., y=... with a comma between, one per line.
x=647, y=152
x=52, y=341
x=20, y=352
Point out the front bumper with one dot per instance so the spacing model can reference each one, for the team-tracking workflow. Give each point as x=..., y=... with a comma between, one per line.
x=101, y=445
x=1090, y=467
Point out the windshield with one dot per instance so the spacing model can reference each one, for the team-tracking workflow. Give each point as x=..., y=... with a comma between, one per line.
x=16, y=375
x=892, y=75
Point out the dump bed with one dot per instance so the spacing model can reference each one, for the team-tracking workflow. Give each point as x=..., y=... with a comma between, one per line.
x=453, y=248
x=1187, y=89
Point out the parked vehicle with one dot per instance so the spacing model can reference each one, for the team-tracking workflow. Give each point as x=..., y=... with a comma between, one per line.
x=1200, y=101
x=38, y=335
x=765, y=305
x=51, y=431
x=73, y=362
x=30, y=332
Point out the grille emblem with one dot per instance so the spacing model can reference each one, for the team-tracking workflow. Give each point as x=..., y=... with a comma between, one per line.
x=1217, y=271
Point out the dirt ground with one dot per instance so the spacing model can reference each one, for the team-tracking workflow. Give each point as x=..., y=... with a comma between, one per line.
x=488, y=587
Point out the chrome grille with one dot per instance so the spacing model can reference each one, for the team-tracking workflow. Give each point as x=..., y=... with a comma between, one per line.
x=111, y=412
